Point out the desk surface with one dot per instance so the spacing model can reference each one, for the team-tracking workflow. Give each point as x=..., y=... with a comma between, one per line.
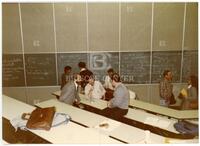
x=97, y=103
x=74, y=133
x=10, y=111
x=69, y=133
x=179, y=114
x=151, y=119
x=133, y=134
x=84, y=117
x=92, y=120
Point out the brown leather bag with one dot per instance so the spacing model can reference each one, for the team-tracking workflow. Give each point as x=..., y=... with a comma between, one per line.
x=40, y=118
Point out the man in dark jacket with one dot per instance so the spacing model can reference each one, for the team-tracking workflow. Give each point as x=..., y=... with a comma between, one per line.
x=84, y=73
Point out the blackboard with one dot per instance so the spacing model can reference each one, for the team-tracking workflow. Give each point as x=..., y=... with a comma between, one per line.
x=40, y=69
x=70, y=59
x=100, y=62
x=135, y=67
x=190, y=64
x=13, y=70
x=166, y=60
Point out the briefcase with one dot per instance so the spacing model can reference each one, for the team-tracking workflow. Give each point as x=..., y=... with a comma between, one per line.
x=40, y=118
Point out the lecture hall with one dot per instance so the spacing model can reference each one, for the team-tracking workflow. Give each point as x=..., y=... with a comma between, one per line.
x=93, y=72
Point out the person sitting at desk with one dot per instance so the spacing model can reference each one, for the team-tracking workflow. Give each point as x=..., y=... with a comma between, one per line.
x=190, y=96
x=118, y=105
x=69, y=93
x=94, y=89
x=65, y=76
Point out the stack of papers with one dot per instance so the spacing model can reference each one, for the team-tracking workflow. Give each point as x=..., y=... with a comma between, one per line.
x=151, y=120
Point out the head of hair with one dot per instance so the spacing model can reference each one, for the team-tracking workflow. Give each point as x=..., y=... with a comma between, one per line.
x=76, y=76
x=110, y=70
x=166, y=72
x=82, y=64
x=68, y=67
x=115, y=77
x=91, y=76
x=194, y=81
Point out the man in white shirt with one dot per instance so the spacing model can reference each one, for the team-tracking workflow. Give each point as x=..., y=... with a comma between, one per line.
x=94, y=89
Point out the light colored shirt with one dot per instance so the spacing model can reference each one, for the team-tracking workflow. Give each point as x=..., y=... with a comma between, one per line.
x=108, y=83
x=121, y=97
x=95, y=91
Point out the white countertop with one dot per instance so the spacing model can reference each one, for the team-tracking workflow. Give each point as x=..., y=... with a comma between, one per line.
x=179, y=114
x=63, y=134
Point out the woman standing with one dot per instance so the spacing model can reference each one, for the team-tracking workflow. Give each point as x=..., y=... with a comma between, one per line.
x=190, y=99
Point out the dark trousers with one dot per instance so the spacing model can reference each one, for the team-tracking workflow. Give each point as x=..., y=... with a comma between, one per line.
x=115, y=113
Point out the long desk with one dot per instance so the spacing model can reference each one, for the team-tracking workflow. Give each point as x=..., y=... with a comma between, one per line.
x=132, y=134
x=69, y=133
x=97, y=103
x=92, y=120
x=151, y=119
x=178, y=114
x=84, y=117
x=140, y=118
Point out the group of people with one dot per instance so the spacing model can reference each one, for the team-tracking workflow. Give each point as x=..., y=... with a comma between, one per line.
x=116, y=92
x=85, y=82
x=189, y=98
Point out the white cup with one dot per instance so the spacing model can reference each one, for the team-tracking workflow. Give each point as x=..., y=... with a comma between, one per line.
x=147, y=136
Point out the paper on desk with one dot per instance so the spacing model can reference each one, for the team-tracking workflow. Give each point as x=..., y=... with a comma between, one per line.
x=156, y=122
x=111, y=125
x=151, y=120
x=179, y=141
x=163, y=123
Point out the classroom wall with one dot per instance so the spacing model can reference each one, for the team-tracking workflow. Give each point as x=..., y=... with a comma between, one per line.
x=138, y=40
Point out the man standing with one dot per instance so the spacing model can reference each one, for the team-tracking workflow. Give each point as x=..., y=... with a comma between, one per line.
x=166, y=88
x=84, y=73
x=66, y=76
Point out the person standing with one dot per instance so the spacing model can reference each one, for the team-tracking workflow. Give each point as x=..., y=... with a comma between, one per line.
x=190, y=96
x=66, y=77
x=84, y=73
x=166, y=88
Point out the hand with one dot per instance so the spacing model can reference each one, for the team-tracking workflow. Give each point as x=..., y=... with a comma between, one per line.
x=91, y=89
x=180, y=96
x=109, y=104
x=77, y=102
x=103, y=97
